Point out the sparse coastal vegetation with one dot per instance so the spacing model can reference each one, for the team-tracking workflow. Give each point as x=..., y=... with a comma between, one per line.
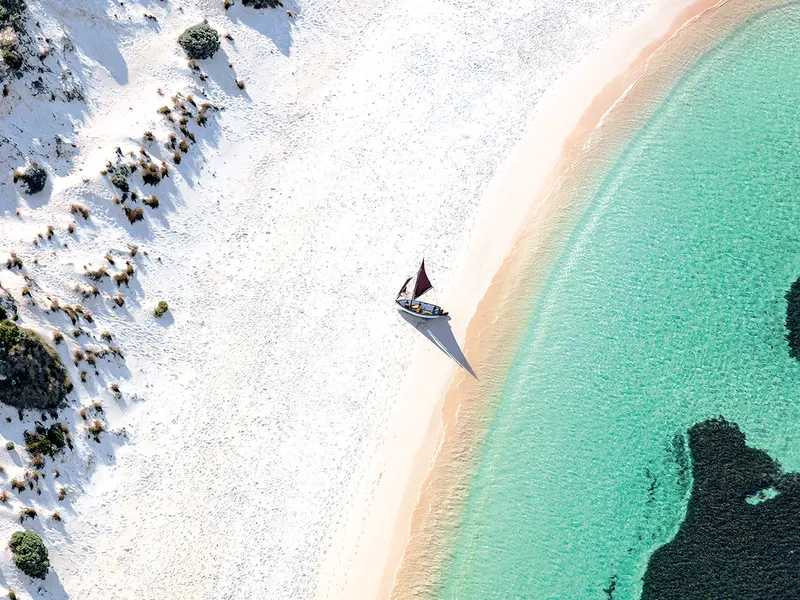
x=33, y=375
x=161, y=309
x=32, y=177
x=200, y=41
x=29, y=552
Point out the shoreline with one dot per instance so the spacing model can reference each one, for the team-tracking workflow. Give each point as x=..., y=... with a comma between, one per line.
x=610, y=119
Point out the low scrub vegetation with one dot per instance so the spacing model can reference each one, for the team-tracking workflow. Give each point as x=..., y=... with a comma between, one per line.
x=161, y=309
x=30, y=553
x=199, y=41
x=31, y=373
x=46, y=441
x=32, y=177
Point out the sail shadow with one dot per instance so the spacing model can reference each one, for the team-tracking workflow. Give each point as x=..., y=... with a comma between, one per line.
x=440, y=334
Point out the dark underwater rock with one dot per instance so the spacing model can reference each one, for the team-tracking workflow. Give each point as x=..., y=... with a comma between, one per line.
x=793, y=319
x=739, y=541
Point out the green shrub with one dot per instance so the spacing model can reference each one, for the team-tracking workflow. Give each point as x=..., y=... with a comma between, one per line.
x=32, y=176
x=200, y=41
x=120, y=181
x=161, y=309
x=31, y=373
x=10, y=446
x=45, y=441
x=30, y=553
x=12, y=58
x=11, y=13
x=134, y=215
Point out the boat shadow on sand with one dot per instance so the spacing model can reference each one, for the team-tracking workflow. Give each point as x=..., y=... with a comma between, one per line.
x=439, y=333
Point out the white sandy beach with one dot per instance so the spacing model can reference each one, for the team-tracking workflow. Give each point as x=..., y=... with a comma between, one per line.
x=278, y=416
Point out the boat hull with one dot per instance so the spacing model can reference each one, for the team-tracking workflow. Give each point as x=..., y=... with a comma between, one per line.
x=423, y=310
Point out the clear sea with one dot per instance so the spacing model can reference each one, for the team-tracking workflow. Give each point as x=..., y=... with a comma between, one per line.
x=665, y=307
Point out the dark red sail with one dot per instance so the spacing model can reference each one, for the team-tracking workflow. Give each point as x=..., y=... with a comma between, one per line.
x=403, y=289
x=423, y=284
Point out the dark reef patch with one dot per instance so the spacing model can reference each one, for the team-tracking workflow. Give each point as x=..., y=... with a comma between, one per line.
x=793, y=319
x=727, y=547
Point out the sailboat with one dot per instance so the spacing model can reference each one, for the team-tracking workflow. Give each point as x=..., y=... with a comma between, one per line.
x=411, y=304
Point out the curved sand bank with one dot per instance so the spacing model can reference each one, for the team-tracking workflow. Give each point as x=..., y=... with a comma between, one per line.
x=624, y=84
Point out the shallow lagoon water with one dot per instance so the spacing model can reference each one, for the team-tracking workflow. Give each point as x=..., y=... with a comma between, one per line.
x=665, y=307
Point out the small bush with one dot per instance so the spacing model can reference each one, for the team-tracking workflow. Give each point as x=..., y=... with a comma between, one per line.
x=32, y=176
x=199, y=41
x=161, y=309
x=12, y=58
x=96, y=274
x=58, y=337
x=151, y=175
x=121, y=278
x=95, y=429
x=27, y=512
x=134, y=215
x=120, y=181
x=176, y=157
x=152, y=202
x=30, y=553
x=79, y=209
x=14, y=261
x=10, y=446
x=33, y=374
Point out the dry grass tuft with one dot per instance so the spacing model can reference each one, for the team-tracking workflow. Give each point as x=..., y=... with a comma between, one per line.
x=121, y=278
x=79, y=209
x=27, y=512
x=14, y=261
x=96, y=274
x=134, y=215
x=95, y=429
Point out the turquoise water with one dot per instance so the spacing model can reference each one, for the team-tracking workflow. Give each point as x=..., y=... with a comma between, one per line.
x=666, y=307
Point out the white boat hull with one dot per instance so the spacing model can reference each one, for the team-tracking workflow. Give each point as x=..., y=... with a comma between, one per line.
x=423, y=310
